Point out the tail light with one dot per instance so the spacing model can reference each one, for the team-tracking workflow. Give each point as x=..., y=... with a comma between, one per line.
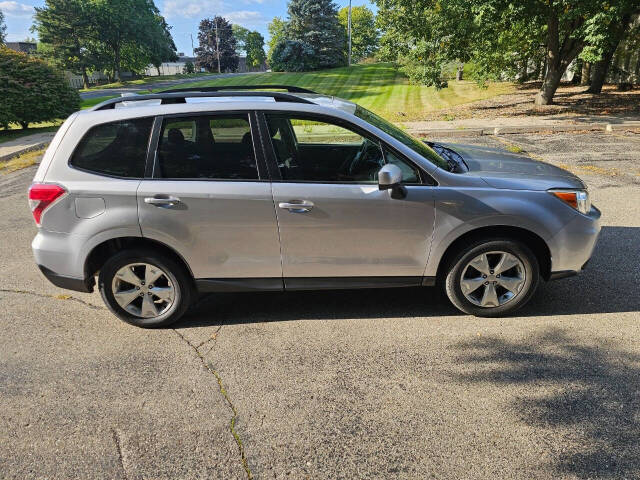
x=41, y=196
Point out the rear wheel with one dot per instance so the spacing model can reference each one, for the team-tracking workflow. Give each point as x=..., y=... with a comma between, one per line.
x=145, y=289
x=492, y=277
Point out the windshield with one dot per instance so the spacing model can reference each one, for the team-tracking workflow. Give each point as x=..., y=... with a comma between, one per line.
x=413, y=143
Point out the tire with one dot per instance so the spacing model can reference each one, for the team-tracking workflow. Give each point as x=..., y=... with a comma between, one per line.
x=468, y=271
x=159, y=306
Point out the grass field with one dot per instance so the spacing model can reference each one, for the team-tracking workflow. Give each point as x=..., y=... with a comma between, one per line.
x=378, y=87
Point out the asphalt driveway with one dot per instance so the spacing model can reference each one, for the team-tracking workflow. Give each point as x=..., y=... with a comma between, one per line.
x=350, y=384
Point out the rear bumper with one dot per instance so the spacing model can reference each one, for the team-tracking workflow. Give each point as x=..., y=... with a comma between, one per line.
x=68, y=283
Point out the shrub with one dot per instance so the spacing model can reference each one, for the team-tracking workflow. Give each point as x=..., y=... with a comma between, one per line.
x=189, y=67
x=293, y=56
x=32, y=91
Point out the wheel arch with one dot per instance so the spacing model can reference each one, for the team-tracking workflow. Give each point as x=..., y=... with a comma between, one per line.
x=529, y=238
x=103, y=251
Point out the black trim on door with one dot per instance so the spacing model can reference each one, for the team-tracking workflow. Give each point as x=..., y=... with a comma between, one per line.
x=211, y=285
x=152, y=151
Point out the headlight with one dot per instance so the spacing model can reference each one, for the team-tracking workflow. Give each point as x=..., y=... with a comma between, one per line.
x=578, y=199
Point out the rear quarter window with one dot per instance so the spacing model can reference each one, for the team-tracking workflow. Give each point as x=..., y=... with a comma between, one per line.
x=117, y=149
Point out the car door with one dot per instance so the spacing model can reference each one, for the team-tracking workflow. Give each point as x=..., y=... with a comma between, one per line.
x=336, y=226
x=210, y=198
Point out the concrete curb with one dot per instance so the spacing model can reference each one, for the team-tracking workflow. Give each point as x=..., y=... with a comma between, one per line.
x=30, y=148
x=476, y=132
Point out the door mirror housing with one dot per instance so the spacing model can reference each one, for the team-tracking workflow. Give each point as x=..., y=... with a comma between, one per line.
x=389, y=177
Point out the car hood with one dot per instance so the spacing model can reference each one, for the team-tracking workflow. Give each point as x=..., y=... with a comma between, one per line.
x=502, y=169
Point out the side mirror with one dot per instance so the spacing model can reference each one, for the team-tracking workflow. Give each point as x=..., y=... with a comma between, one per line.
x=390, y=178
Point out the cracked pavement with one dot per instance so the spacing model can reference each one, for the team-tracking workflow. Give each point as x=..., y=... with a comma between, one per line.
x=350, y=384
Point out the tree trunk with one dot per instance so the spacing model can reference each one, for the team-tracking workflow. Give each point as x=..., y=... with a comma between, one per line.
x=85, y=78
x=601, y=68
x=577, y=74
x=550, y=84
x=116, y=64
x=460, y=72
x=524, y=71
x=586, y=74
x=24, y=125
x=627, y=66
x=558, y=58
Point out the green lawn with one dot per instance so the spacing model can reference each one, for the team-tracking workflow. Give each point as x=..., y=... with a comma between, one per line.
x=378, y=87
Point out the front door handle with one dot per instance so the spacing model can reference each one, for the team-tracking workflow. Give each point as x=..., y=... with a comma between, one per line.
x=297, y=206
x=163, y=201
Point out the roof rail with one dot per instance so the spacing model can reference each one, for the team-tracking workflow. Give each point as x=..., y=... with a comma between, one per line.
x=288, y=88
x=173, y=98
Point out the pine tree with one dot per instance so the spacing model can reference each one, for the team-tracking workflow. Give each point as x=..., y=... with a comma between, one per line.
x=315, y=22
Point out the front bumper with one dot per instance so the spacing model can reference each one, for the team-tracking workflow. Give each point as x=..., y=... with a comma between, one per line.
x=573, y=246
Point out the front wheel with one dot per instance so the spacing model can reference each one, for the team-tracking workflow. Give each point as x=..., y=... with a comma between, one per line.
x=491, y=278
x=144, y=289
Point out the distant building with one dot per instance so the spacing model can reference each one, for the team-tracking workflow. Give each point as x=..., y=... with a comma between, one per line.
x=170, y=68
x=176, y=68
x=23, y=47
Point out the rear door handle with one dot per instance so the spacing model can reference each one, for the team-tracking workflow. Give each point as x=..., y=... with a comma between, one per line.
x=297, y=206
x=163, y=201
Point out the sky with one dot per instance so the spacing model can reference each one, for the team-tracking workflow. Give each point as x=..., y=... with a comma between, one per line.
x=182, y=15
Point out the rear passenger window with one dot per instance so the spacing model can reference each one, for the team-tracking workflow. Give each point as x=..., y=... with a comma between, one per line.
x=207, y=147
x=118, y=148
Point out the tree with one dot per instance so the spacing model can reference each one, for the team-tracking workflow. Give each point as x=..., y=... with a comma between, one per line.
x=161, y=47
x=241, y=34
x=3, y=29
x=315, y=22
x=364, y=34
x=293, y=56
x=605, y=32
x=32, y=91
x=254, y=46
x=277, y=31
x=124, y=25
x=64, y=28
x=217, y=50
x=497, y=34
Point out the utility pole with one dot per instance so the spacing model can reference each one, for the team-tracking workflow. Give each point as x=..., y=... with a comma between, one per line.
x=193, y=52
x=349, y=31
x=215, y=19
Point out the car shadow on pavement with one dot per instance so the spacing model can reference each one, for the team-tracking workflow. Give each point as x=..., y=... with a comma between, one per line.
x=610, y=284
x=583, y=392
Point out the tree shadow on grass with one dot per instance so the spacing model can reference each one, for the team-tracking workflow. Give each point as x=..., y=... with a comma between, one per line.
x=588, y=394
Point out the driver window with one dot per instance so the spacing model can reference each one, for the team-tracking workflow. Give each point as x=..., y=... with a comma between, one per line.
x=310, y=150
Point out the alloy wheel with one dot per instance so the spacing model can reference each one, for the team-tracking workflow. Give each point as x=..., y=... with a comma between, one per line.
x=143, y=290
x=493, y=279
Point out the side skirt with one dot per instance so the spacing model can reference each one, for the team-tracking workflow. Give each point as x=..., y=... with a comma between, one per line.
x=210, y=285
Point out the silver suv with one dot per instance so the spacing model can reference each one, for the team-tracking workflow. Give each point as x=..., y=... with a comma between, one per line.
x=168, y=195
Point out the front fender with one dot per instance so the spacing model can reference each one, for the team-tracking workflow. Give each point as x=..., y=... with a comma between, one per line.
x=463, y=210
